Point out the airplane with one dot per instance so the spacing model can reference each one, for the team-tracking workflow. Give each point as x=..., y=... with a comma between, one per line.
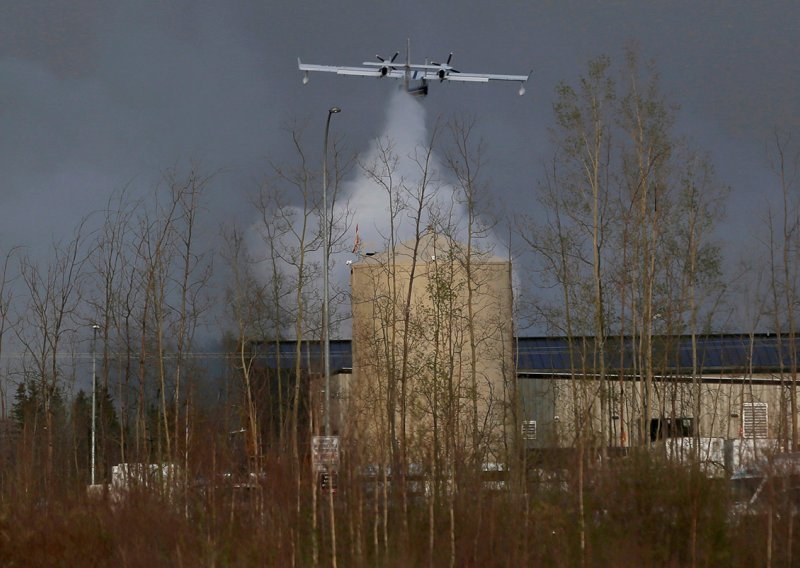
x=415, y=76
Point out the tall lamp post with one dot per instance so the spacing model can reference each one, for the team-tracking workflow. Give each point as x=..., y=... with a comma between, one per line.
x=95, y=327
x=326, y=344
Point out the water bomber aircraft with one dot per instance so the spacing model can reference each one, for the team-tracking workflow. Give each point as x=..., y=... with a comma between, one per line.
x=415, y=76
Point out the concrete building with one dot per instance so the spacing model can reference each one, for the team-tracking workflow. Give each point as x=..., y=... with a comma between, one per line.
x=432, y=350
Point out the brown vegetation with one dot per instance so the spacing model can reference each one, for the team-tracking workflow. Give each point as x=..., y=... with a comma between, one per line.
x=639, y=510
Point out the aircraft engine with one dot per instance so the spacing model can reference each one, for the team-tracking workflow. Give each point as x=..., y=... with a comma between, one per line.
x=442, y=73
x=384, y=71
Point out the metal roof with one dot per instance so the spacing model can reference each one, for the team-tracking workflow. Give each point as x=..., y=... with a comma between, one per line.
x=283, y=354
x=721, y=353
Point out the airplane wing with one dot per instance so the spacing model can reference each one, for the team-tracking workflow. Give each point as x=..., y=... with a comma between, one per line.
x=353, y=71
x=432, y=73
x=410, y=72
x=471, y=78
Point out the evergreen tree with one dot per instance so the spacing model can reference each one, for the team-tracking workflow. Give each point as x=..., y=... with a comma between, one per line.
x=82, y=433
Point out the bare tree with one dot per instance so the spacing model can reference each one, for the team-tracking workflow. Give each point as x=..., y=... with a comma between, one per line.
x=556, y=245
x=584, y=122
x=291, y=229
x=394, y=280
x=289, y=207
x=46, y=327
x=464, y=159
x=192, y=274
x=245, y=297
x=107, y=300
x=6, y=298
x=784, y=243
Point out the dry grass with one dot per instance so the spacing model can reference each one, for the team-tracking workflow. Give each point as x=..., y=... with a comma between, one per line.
x=639, y=511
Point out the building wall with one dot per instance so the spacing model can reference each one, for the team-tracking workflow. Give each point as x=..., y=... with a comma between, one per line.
x=432, y=349
x=340, y=395
x=552, y=403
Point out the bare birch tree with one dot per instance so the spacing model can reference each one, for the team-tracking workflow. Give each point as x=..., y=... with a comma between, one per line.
x=784, y=239
x=47, y=326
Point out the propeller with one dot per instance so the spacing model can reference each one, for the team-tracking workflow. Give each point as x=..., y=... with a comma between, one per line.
x=445, y=67
x=382, y=60
x=387, y=65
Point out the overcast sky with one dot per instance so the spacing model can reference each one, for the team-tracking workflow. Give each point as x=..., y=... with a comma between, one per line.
x=97, y=95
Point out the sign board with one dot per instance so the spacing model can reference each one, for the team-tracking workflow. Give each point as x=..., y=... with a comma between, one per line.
x=325, y=452
x=328, y=481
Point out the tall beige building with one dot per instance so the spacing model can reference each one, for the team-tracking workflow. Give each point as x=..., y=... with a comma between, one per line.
x=432, y=353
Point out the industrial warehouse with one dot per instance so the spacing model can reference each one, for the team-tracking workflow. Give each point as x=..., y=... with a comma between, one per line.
x=745, y=390
x=721, y=398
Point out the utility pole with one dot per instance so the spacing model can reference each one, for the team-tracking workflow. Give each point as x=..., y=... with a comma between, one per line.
x=326, y=342
x=95, y=327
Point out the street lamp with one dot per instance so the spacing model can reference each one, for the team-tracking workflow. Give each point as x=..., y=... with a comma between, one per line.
x=95, y=327
x=326, y=344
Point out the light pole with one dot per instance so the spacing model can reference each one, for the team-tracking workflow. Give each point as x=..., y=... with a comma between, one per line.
x=95, y=327
x=326, y=344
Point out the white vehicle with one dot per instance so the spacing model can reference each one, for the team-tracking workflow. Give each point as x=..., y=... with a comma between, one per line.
x=415, y=76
